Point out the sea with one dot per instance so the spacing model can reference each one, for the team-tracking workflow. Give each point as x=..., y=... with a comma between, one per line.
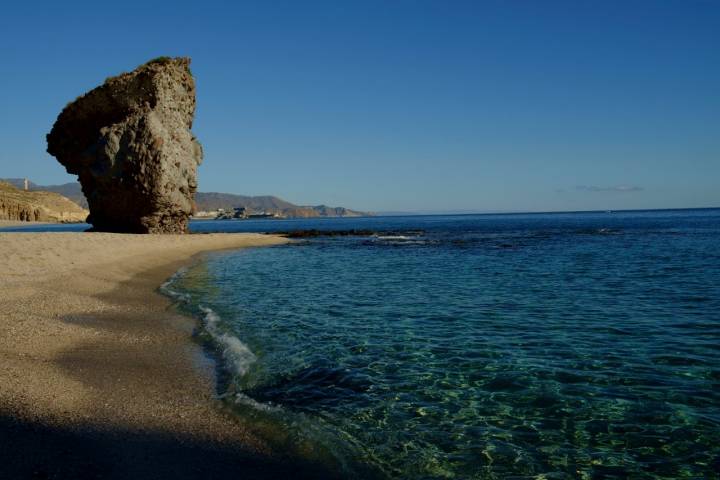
x=498, y=346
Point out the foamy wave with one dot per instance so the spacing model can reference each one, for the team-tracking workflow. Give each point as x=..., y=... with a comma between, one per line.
x=399, y=240
x=175, y=295
x=393, y=237
x=234, y=352
x=242, y=399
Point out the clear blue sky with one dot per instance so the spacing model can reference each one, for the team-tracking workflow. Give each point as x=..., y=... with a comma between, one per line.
x=400, y=105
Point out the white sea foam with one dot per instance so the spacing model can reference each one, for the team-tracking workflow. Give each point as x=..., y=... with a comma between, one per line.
x=234, y=352
x=242, y=399
x=174, y=294
x=400, y=240
x=394, y=237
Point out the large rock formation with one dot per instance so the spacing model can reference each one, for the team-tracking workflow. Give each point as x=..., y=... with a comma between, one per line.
x=129, y=142
x=16, y=204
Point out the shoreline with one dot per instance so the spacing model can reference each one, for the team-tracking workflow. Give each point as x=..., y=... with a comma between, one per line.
x=100, y=373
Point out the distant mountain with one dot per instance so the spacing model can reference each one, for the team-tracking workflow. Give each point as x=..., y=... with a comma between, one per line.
x=208, y=201
x=211, y=201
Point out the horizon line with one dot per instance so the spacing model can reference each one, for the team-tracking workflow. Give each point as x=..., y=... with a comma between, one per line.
x=458, y=213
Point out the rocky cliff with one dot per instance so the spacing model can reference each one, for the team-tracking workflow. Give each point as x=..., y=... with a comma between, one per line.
x=130, y=143
x=24, y=206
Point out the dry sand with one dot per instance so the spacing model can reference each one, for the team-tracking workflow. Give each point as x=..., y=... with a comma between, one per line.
x=99, y=376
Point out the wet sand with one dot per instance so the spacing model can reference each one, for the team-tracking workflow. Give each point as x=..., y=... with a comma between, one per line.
x=100, y=376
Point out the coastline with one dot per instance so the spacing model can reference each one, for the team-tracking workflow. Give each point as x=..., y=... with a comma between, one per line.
x=101, y=376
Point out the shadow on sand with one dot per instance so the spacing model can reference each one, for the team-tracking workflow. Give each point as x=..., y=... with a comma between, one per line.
x=35, y=451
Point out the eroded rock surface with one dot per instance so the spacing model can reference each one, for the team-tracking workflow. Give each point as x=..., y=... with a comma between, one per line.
x=37, y=206
x=130, y=143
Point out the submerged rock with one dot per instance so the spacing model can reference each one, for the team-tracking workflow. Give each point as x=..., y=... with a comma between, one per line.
x=347, y=233
x=129, y=142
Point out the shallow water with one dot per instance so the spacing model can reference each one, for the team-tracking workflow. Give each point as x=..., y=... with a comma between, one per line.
x=496, y=346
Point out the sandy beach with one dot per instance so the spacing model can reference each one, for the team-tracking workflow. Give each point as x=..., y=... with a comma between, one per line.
x=100, y=376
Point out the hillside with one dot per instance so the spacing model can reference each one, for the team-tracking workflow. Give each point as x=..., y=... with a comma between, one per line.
x=71, y=191
x=207, y=201
x=37, y=206
x=214, y=200
x=210, y=201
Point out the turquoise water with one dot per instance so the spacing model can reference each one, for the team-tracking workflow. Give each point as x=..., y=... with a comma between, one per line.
x=496, y=346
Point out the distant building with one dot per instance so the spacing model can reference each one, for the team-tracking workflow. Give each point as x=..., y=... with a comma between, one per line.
x=26, y=185
x=265, y=215
x=205, y=214
x=240, y=212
